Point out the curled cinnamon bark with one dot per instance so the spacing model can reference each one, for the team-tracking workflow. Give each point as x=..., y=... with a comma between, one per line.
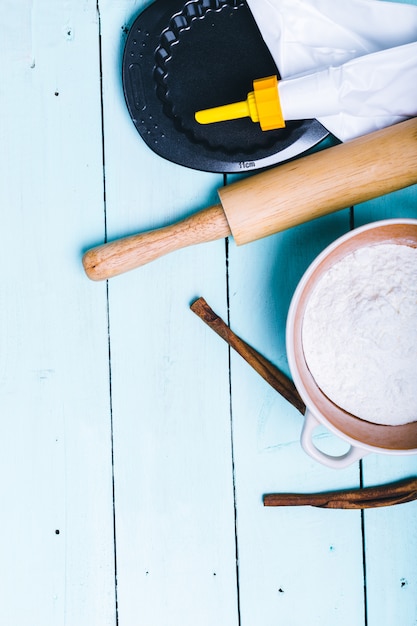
x=369, y=497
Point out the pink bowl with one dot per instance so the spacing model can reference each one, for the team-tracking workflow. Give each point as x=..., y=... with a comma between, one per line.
x=363, y=436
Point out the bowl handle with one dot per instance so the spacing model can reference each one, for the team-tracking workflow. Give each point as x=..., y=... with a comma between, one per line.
x=336, y=462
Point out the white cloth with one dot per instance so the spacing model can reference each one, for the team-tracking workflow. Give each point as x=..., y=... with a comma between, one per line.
x=351, y=64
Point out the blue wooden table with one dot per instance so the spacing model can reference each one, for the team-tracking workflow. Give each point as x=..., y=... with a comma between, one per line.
x=135, y=448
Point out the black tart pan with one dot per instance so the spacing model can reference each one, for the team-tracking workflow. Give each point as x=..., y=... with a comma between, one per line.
x=180, y=58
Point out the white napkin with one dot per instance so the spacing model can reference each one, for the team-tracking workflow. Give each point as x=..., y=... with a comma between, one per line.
x=351, y=64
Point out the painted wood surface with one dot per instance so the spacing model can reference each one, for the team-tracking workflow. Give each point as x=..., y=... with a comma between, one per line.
x=175, y=526
x=391, y=556
x=135, y=448
x=56, y=540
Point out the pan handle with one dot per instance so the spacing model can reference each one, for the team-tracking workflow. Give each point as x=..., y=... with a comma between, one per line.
x=336, y=462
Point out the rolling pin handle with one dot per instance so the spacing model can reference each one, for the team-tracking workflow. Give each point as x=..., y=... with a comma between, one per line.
x=122, y=255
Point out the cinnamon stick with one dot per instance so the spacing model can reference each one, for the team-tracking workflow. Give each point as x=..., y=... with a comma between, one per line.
x=277, y=379
x=369, y=497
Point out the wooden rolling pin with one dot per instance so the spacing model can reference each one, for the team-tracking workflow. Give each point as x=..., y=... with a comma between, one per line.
x=276, y=199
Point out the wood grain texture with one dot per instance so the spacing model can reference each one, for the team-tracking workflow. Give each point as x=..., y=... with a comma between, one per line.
x=274, y=200
x=299, y=557
x=176, y=553
x=123, y=255
x=56, y=540
x=390, y=595
x=133, y=455
x=323, y=182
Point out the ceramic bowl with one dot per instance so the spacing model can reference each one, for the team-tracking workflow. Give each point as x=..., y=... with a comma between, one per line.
x=363, y=437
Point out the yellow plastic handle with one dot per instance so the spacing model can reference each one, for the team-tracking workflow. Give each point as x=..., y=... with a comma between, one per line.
x=262, y=105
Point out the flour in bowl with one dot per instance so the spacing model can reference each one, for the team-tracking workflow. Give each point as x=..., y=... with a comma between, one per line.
x=360, y=333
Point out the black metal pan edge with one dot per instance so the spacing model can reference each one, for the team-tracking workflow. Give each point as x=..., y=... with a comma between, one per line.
x=168, y=71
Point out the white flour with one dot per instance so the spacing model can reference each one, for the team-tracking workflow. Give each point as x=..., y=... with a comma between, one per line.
x=360, y=333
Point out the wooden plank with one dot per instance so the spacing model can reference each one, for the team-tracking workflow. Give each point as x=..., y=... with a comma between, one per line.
x=390, y=538
x=299, y=565
x=56, y=540
x=176, y=561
